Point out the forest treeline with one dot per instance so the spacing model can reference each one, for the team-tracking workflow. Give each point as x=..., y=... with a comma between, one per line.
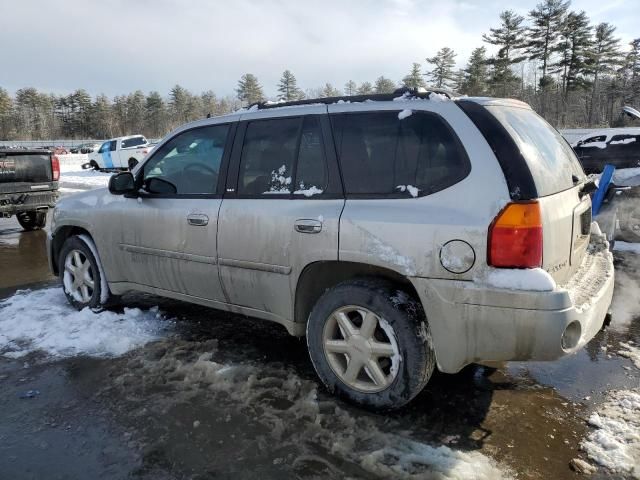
x=574, y=73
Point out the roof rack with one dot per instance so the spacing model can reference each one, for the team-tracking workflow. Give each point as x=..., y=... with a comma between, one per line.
x=410, y=92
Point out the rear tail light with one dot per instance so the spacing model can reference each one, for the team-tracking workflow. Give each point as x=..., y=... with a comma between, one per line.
x=515, y=237
x=55, y=167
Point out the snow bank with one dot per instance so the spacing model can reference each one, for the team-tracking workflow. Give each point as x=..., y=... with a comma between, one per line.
x=615, y=443
x=621, y=246
x=534, y=279
x=629, y=177
x=296, y=419
x=43, y=320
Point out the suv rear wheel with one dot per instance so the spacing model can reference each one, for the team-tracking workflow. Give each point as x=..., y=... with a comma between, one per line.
x=32, y=220
x=370, y=344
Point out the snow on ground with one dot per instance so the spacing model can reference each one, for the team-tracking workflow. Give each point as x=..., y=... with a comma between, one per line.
x=298, y=420
x=631, y=352
x=629, y=177
x=615, y=443
x=74, y=179
x=626, y=246
x=44, y=320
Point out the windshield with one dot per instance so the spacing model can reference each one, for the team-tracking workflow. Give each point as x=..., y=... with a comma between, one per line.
x=551, y=160
x=133, y=142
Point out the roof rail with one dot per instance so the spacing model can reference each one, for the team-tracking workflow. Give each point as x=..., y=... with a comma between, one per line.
x=409, y=92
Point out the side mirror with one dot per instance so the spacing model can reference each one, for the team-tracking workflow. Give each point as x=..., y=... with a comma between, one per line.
x=121, y=183
x=159, y=185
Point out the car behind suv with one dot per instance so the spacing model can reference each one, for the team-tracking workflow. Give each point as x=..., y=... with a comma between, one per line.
x=399, y=233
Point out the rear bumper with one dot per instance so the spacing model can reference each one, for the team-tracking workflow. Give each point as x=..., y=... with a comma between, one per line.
x=471, y=322
x=12, y=203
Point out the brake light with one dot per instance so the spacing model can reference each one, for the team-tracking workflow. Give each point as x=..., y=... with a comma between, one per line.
x=55, y=167
x=515, y=237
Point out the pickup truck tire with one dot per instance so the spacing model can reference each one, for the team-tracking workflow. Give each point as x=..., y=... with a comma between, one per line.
x=80, y=274
x=32, y=220
x=382, y=332
x=132, y=163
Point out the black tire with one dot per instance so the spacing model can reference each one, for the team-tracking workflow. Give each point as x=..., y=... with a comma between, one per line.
x=93, y=164
x=412, y=335
x=132, y=163
x=32, y=220
x=77, y=244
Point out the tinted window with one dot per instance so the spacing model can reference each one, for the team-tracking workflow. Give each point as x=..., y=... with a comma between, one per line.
x=623, y=140
x=113, y=145
x=550, y=159
x=311, y=171
x=191, y=160
x=133, y=142
x=382, y=154
x=268, y=152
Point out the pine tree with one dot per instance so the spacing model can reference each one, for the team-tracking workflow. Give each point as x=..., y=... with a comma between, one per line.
x=350, y=88
x=101, y=118
x=384, y=85
x=155, y=115
x=365, y=88
x=135, y=112
x=632, y=93
x=178, y=104
x=442, y=75
x=546, y=22
x=575, y=41
x=476, y=74
x=209, y=103
x=329, y=91
x=6, y=109
x=249, y=90
x=414, y=79
x=602, y=58
x=509, y=37
x=288, y=87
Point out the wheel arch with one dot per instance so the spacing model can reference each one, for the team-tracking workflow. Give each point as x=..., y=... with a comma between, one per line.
x=317, y=277
x=57, y=241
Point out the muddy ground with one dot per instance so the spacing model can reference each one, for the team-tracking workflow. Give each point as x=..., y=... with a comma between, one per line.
x=224, y=396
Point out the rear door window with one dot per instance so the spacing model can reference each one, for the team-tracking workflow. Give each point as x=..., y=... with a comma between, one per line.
x=551, y=160
x=384, y=153
x=133, y=142
x=268, y=153
x=311, y=172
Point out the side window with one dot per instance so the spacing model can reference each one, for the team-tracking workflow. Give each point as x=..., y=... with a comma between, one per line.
x=381, y=153
x=133, y=142
x=191, y=160
x=104, y=147
x=311, y=171
x=113, y=145
x=268, y=153
x=623, y=139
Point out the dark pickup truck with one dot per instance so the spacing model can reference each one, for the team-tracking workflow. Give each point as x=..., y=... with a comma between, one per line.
x=28, y=185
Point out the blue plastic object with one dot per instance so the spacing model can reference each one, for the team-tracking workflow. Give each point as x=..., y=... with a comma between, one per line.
x=598, y=197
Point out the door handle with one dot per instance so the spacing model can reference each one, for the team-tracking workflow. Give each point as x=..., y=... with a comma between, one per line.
x=197, y=219
x=308, y=226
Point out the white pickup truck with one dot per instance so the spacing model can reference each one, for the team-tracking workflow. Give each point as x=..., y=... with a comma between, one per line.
x=119, y=153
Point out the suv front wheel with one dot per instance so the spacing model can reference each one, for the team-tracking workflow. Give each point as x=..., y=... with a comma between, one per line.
x=80, y=274
x=370, y=344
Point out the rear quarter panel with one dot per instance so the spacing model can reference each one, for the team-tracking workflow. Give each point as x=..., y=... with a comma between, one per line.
x=407, y=235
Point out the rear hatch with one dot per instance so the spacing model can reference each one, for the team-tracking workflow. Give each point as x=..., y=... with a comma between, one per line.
x=25, y=171
x=558, y=178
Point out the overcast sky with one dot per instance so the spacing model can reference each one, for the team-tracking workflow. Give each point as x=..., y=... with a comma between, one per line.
x=117, y=46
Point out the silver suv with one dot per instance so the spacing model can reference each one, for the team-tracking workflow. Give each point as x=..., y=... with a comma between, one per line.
x=399, y=233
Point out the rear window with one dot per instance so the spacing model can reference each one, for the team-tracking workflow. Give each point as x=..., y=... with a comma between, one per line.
x=133, y=142
x=392, y=153
x=551, y=160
